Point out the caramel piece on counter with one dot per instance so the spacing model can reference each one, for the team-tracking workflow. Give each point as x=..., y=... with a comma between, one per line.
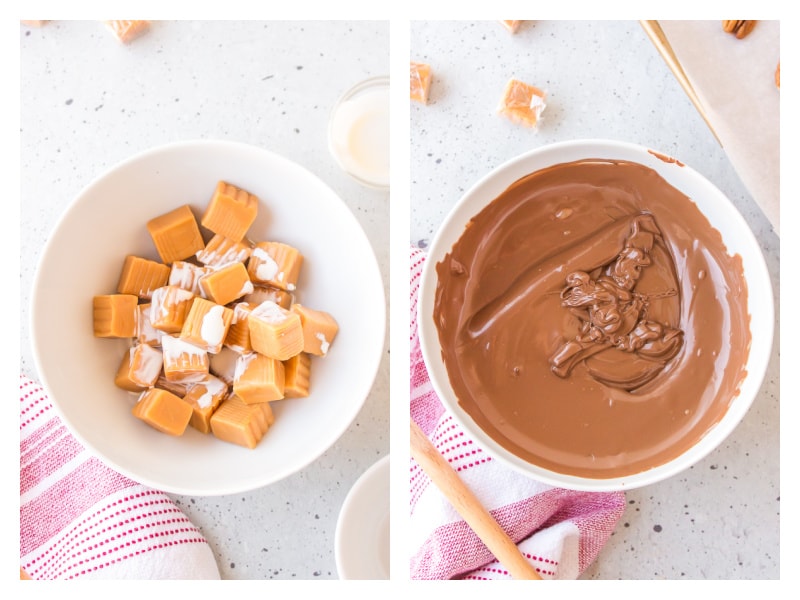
x=169, y=307
x=297, y=376
x=243, y=424
x=139, y=369
x=512, y=26
x=204, y=397
x=141, y=276
x=319, y=329
x=226, y=284
x=258, y=378
x=145, y=332
x=187, y=275
x=33, y=23
x=115, y=315
x=163, y=411
x=207, y=325
x=262, y=293
x=420, y=82
x=230, y=212
x=184, y=362
x=127, y=31
x=176, y=234
x=275, y=264
x=238, y=337
x=223, y=364
x=220, y=251
x=275, y=331
x=522, y=103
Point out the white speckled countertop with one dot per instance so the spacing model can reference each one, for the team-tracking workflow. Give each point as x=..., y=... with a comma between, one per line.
x=720, y=519
x=88, y=102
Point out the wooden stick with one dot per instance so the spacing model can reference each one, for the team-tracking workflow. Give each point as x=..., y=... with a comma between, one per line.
x=659, y=39
x=468, y=506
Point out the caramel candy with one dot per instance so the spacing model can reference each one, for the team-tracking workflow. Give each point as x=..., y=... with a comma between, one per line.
x=183, y=362
x=275, y=264
x=238, y=337
x=226, y=284
x=258, y=378
x=319, y=329
x=512, y=26
x=139, y=369
x=141, y=276
x=187, y=275
x=169, y=307
x=204, y=397
x=522, y=103
x=275, y=331
x=297, y=376
x=207, y=325
x=176, y=387
x=127, y=31
x=163, y=411
x=115, y=315
x=220, y=251
x=176, y=234
x=262, y=293
x=230, y=212
x=240, y=423
x=145, y=332
x=420, y=82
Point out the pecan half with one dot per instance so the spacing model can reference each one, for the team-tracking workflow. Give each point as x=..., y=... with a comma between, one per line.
x=738, y=28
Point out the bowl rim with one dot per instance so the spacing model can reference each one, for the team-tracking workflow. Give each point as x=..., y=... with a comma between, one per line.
x=499, y=178
x=369, y=368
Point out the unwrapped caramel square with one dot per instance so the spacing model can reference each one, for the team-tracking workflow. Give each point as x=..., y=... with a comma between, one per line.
x=168, y=308
x=319, y=329
x=184, y=362
x=420, y=82
x=240, y=423
x=262, y=292
x=226, y=284
x=139, y=369
x=238, y=337
x=141, y=276
x=275, y=264
x=230, y=212
x=145, y=332
x=127, y=31
x=163, y=411
x=114, y=315
x=522, y=103
x=204, y=397
x=207, y=325
x=275, y=331
x=512, y=26
x=187, y=275
x=297, y=376
x=176, y=234
x=220, y=251
x=258, y=378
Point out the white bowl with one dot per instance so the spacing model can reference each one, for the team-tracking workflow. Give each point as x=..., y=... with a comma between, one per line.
x=736, y=235
x=83, y=258
x=361, y=544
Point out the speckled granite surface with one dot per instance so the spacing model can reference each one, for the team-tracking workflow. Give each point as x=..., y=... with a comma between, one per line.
x=604, y=79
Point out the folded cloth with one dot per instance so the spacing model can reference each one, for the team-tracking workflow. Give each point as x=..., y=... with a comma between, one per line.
x=78, y=519
x=559, y=531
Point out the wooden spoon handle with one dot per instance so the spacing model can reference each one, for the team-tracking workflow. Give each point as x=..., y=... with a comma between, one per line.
x=469, y=507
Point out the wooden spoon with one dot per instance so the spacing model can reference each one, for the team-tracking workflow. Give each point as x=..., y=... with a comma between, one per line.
x=469, y=507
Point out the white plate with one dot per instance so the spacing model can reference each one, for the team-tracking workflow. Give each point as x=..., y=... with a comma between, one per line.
x=362, y=531
x=83, y=258
x=722, y=215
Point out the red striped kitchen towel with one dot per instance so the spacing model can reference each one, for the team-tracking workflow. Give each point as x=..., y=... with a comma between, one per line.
x=560, y=531
x=78, y=519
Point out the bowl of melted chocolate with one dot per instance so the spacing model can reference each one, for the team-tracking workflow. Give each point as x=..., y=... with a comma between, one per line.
x=596, y=314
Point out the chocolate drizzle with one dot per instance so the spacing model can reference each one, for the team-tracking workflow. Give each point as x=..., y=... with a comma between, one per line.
x=591, y=320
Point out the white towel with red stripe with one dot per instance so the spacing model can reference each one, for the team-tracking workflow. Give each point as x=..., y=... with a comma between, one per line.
x=79, y=519
x=559, y=531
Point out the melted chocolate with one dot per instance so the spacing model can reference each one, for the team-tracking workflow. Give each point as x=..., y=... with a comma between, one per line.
x=591, y=320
